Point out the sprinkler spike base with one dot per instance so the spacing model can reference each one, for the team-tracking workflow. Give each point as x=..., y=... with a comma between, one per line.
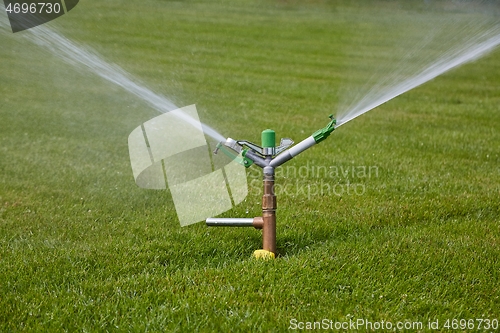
x=263, y=254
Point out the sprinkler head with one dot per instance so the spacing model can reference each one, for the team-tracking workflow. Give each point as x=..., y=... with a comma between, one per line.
x=268, y=157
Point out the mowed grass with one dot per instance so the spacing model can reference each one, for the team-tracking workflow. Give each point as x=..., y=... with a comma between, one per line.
x=84, y=249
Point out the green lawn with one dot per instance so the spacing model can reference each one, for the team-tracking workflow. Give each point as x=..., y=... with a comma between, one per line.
x=415, y=237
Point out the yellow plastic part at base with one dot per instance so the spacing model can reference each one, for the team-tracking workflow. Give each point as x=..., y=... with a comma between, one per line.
x=263, y=254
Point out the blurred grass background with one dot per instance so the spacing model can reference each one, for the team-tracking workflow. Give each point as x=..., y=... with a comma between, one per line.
x=83, y=248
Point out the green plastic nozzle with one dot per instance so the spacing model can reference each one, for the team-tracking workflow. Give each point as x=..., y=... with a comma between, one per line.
x=323, y=133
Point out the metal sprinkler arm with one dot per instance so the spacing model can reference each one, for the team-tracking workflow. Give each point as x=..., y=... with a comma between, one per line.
x=255, y=158
x=252, y=154
x=305, y=144
x=243, y=160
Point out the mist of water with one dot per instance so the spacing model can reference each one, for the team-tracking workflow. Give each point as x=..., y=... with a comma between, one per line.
x=83, y=57
x=436, y=44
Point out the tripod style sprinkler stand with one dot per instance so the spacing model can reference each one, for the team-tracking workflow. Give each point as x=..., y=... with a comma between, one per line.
x=268, y=157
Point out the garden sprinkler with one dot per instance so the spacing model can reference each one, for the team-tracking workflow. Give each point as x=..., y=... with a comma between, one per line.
x=268, y=157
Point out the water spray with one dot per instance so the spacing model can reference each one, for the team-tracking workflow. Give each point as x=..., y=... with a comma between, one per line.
x=268, y=157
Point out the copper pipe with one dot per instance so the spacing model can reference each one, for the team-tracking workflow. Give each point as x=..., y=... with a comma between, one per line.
x=258, y=222
x=269, y=214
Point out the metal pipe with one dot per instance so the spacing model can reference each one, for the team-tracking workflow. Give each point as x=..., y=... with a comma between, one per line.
x=259, y=161
x=269, y=214
x=256, y=222
x=292, y=152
